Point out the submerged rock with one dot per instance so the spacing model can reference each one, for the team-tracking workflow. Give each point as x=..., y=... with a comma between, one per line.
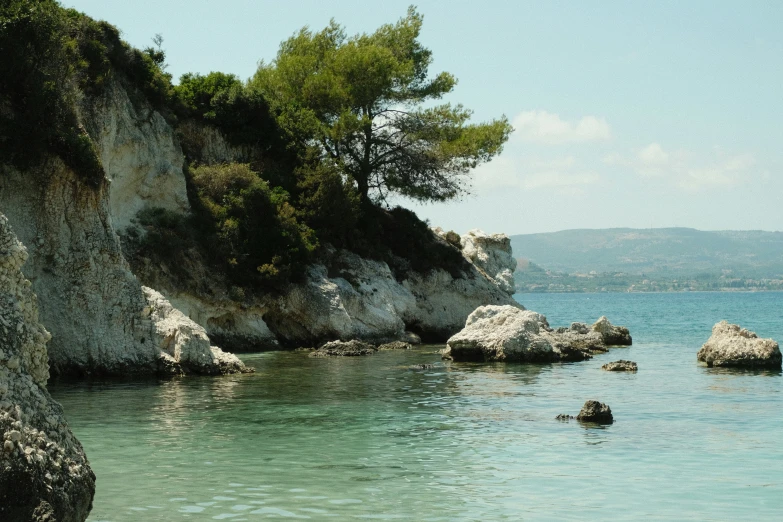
x=620, y=366
x=597, y=412
x=421, y=366
x=730, y=345
x=564, y=417
x=506, y=333
x=352, y=348
x=44, y=473
x=612, y=335
x=396, y=345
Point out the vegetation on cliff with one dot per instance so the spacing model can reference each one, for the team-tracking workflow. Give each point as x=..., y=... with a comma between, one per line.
x=331, y=127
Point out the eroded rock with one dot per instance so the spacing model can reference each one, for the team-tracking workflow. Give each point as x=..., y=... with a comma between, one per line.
x=612, y=335
x=620, y=366
x=396, y=345
x=731, y=345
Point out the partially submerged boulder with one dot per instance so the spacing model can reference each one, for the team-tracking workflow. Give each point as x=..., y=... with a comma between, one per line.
x=352, y=348
x=730, y=345
x=620, y=366
x=612, y=335
x=506, y=333
x=596, y=412
x=44, y=473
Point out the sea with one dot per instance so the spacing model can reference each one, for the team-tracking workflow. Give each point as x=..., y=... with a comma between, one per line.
x=373, y=438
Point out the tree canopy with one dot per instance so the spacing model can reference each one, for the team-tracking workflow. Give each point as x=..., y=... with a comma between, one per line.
x=362, y=101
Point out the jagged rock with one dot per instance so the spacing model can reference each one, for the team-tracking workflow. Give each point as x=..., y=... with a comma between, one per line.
x=352, y=348
x=506, y=333
x=596, y=412
x=580, y=336
x=183, y=344
x=44, y=473
x=492, y=254
x=564, y=417
x=396, y=345
x=612, y=335
x=730, y=345
x=620, y=366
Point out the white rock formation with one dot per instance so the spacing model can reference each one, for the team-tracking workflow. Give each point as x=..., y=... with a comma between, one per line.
x=506, y=333
x=43, y=469
x=502, y=333
x=140, y=154
x=730, y=345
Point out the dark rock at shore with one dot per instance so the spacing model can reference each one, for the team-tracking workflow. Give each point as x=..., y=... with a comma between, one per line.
x=620, y=366
x=596, y=412
x=352, y=348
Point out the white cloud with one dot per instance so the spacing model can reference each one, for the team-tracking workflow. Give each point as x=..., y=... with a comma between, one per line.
x=653, y=154
x=683, y=170
x=547, y=128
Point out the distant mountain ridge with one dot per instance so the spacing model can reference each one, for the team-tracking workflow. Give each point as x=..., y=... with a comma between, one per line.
x=641, y=251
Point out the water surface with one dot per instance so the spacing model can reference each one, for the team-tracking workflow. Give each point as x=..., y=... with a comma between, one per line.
x=370, y=438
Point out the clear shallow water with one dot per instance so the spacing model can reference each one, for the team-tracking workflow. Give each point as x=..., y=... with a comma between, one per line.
x=368, y=438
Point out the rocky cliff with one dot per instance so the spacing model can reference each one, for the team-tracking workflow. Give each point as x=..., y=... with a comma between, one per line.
x=44, y=474
x=99, y=315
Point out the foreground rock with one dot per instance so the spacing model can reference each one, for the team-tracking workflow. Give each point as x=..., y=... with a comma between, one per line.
x=612, y=335
x=43, y=468
x=731, y=345
x=597, y=412
x=620, y=366
x=344, y=349
x=506, y=333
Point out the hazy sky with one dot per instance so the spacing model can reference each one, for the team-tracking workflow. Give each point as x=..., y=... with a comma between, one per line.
x=637, y=114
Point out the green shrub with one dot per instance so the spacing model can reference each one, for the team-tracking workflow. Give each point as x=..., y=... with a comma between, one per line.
x=259, y=239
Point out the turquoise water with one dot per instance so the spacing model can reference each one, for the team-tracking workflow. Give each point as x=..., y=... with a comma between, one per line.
x=369, y=438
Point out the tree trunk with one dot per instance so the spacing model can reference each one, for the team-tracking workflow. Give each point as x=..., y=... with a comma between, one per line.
x=364, y=188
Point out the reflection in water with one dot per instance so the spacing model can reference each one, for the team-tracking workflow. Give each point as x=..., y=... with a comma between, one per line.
x=368, y=437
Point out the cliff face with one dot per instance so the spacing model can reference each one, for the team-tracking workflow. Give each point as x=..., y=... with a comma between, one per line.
x=92, y=303
x=43, y=469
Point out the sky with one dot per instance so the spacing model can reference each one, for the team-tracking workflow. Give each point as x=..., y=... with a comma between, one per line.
x=626, y=113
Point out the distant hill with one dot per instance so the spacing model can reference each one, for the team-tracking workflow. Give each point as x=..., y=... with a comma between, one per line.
x=659, y=259
x=639, y=251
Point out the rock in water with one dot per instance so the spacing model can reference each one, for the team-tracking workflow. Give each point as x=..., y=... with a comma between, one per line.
x=620, y=366
x=612, y=335
x=344, y=349
x=44, y=473
x=597, y=412
x=506, y=333
x=731, y=345
x=502, y=333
